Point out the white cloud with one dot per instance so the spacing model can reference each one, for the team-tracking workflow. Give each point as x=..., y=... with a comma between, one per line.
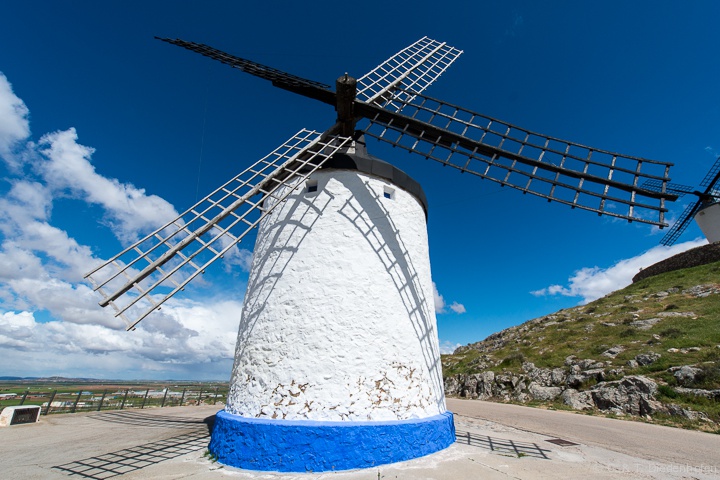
x=457, y=307
x=204, y=344
x=440, y=303
x=439, y=300
x=14, y=124
x=65, y=165
x=50, y=323
x=591, y=283
x=447, y=347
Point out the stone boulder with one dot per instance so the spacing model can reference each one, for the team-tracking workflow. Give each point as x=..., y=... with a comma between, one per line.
x=544, y=376
x=543, y=393
x=647, y=358
x=485, y=385
x=558, y=376
x=613, y=352
x=577, y=400
x=469, y=388
x=698, y=392
x=686, y=375
x=578, y=379
x=678, y=411
x=633, y=394
x=453, y=385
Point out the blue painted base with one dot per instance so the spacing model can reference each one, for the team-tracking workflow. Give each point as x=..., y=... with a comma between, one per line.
x=304, y=445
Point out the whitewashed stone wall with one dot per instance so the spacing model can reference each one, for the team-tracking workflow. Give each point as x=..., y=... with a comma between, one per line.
x=338, y=322
x=709, y=221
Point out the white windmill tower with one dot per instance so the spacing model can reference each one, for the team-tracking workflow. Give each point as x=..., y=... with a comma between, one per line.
x=337, y=363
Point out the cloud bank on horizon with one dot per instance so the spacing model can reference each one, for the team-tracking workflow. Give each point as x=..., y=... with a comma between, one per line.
x=50, y=323
x=591, y=283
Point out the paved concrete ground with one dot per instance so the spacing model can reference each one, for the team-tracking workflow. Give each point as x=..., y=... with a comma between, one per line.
x=494, y=442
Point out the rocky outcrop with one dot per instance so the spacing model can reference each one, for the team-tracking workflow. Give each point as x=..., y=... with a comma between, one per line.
x=631, y=395
x=634, y=395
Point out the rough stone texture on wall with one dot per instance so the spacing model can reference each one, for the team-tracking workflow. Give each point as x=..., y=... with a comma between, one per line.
x=691, y=258
x=338, y=322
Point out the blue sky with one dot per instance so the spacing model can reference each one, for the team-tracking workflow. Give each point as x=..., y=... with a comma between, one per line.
x=105, y=131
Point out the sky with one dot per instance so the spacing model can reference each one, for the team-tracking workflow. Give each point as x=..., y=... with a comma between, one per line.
x=106, y=133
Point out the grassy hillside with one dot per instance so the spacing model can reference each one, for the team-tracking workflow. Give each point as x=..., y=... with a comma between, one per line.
x=675, y=315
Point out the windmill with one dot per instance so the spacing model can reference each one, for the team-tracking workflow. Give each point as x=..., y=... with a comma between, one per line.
x=337, y=363
x=705, y=211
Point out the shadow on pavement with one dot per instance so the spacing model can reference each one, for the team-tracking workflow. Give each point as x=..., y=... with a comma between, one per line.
x=141, y=419
x=130, y=459
x=501, y=445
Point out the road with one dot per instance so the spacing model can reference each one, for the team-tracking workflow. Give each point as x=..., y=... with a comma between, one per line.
x=652, y=442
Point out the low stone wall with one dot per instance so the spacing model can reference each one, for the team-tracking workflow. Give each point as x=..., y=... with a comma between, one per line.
x=691, y=258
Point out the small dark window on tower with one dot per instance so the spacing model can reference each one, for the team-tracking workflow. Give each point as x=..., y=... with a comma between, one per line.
x=312, y=186
x=388, y=193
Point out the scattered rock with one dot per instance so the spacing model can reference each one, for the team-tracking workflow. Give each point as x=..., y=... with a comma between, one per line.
x=633, y=364
x=677, y=314
x=647, y=358
x=690, y=349
x=596, y=373
x=686, y=374
x=528, y=367
x=698, y=392
x=614, y=351
x=702, y=291
x=644, y=324
x=678, y=411
x=672, y=350
x=585, y=364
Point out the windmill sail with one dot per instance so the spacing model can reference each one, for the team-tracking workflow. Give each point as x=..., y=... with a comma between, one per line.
x=558, y=170
x=712, y=178
x=676, y=188
x=287, y=81
x=711, y=182
x=413, y=68
x=145, y=275
x=681, y=224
